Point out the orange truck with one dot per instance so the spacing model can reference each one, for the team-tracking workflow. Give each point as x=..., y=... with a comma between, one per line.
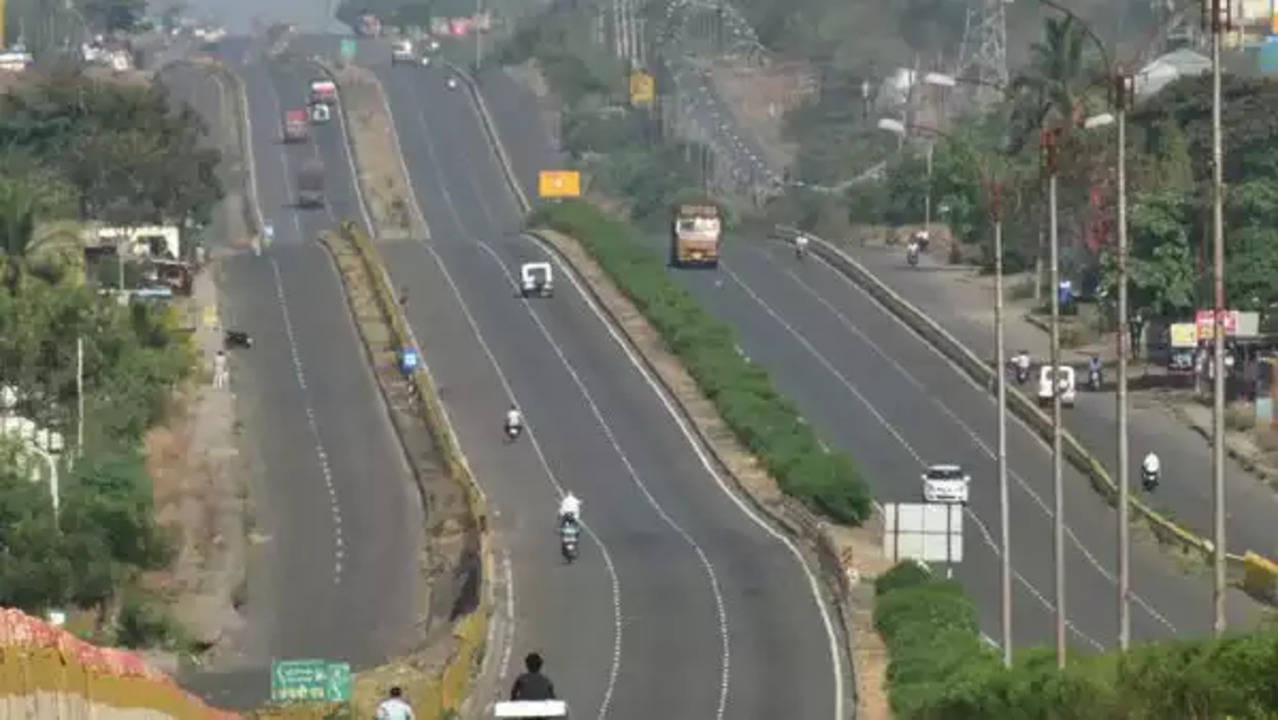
x=296, y=125
x=695, y=233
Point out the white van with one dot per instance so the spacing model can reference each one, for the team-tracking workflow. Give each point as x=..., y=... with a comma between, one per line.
x=1064, y=383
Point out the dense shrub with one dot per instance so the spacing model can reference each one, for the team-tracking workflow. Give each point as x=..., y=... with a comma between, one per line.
x=941, y=670
x=765, y=421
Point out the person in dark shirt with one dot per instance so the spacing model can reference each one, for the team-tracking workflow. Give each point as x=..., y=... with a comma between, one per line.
x=532, y=685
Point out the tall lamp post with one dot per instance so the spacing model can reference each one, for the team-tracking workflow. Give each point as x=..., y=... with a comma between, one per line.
x=1219, y=22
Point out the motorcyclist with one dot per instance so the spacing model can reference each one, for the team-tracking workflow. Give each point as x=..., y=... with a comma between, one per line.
x=1022, y=364
x=1149, y=469
x=912, y=251
x=514, y=420
x=800, y=245
x=569, y=509
x=1094, y=369
x=532, y=685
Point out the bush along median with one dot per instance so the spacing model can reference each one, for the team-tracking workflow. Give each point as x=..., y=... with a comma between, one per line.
x=767, y=423
x=939, y=667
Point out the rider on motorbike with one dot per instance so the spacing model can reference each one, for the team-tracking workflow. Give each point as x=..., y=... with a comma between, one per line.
x=800, y=245
x=1094, y=369
x=569, y=509
x=514, y=420
x=1022, y=363
x=912, y=251
x=1149, y=468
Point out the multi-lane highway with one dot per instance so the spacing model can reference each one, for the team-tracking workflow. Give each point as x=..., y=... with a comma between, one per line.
x=682, y=604
x=875, y=389
x=336, y=513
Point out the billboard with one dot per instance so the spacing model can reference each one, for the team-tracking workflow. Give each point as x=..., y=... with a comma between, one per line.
x=642, y=88
x=559, y=183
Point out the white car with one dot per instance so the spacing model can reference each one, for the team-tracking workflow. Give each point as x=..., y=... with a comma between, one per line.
x=946, y=484
x=402, y=52
x=1064, y=384
x=535, y=279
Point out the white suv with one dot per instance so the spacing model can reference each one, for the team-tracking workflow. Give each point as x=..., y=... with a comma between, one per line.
x=945, y=484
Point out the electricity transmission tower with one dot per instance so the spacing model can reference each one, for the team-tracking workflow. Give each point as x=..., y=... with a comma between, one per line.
x=983, y=56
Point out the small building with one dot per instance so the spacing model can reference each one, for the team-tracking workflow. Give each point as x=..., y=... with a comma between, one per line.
x=1166, y=69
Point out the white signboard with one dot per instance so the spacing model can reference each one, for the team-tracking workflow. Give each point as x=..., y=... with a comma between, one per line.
x=923, y=531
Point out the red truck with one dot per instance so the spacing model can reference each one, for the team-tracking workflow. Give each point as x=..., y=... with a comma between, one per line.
x=296, y=125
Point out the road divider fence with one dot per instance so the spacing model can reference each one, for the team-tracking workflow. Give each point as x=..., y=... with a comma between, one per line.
x=1257, y=578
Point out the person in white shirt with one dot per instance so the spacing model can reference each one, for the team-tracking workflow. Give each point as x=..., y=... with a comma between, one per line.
x=1150, y=464
x=514, y=419
x=800, y=245
x=569, y=507
x=394, y=707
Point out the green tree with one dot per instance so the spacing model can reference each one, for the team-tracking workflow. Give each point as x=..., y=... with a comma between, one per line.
x=1053, y=87
x=1161, y=263
x=34, y=575
x=113, y=15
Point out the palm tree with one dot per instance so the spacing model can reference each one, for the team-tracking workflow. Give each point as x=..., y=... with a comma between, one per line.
x=1051, y=89
x=18, y=201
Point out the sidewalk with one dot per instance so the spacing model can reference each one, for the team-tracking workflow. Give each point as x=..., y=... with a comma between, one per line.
x=1166, y=421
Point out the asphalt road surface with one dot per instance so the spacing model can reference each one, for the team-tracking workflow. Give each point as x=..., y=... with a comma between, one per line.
x=336, y=510
x=1185, y=490
x=877, y=391
x=680, y=604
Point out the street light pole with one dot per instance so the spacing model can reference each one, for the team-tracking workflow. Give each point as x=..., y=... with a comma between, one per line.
x=1218, y=330
x=1001, y=373
x=927, y=195
x=1124, y=587
x=1058, y=529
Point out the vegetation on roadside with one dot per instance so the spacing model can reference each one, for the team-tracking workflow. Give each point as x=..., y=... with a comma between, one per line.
x=621, y=149
x=80, y=150
x=766, y=422
x=941, y=668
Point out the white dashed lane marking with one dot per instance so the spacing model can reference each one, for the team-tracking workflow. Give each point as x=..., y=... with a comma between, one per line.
x=321, y=455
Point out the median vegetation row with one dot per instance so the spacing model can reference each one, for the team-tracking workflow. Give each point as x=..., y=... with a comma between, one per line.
x=828, y=482
x=941, y=668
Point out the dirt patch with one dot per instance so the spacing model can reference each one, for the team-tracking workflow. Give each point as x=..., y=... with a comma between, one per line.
x=857, y=555
x=377, y=157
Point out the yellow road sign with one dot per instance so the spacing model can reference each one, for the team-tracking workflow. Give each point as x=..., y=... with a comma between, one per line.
x=559, y=183
x=643, y=88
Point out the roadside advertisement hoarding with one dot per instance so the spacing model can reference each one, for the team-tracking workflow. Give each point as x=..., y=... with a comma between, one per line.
x=642, y=88
x=1184, y=335
x=1206, y=327
x=559, y=183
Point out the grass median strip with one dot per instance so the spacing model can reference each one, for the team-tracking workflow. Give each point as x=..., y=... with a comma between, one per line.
x=941, y=668
x=766, y=422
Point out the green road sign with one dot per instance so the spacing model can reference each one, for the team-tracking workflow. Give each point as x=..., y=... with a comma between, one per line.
x=348, y=49
x=310, y=680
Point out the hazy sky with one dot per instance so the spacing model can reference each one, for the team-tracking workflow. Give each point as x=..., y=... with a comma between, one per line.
x=238, y=15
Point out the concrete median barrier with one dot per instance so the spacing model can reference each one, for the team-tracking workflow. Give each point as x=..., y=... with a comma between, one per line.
x=1164, y=529
x=440, y=685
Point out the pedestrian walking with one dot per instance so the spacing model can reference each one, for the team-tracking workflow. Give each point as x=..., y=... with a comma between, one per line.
x=220, y=373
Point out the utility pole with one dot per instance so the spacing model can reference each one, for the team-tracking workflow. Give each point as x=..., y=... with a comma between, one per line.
x=999, y=351
x=79, y=396
x=479, y=37
x=1122, y=89
x=1050, y=148
x=1219, y=23
x=927, y=195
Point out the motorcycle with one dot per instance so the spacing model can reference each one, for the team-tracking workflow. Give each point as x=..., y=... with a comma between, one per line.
x=1094, y=379
x=569, y=534
x=912, y=257
x=513, y=432
x=1148, y=480
x=237, y=338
